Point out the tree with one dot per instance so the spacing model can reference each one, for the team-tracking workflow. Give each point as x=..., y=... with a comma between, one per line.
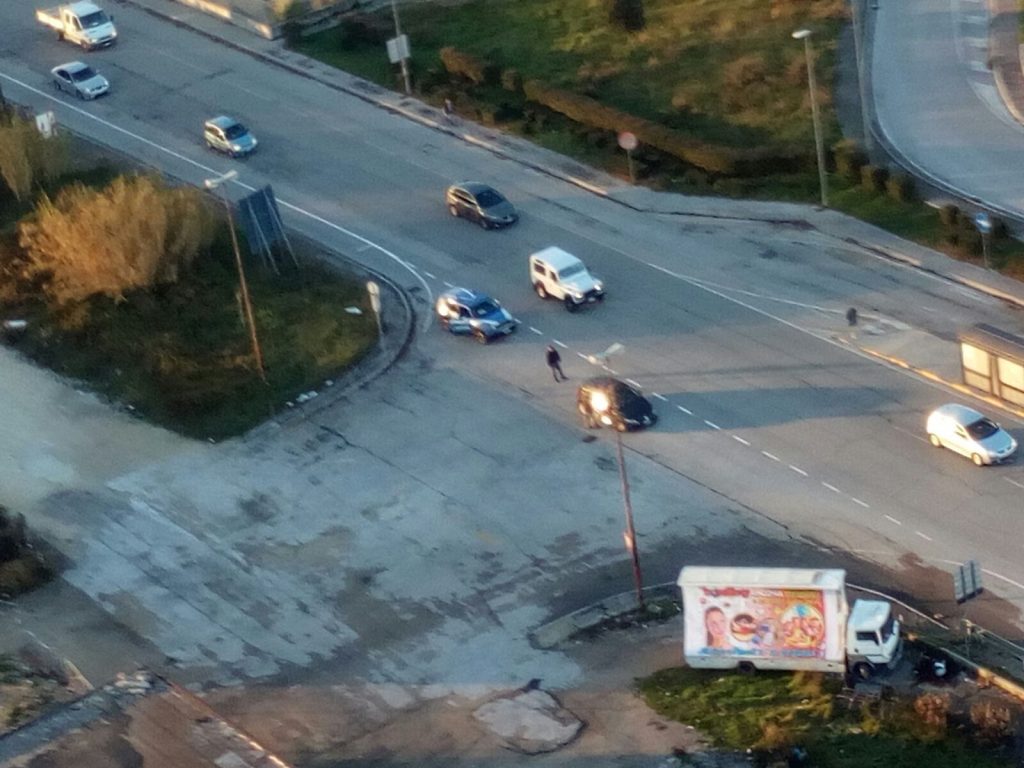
x=135, y=233
x=628, y=14
x=26, y=157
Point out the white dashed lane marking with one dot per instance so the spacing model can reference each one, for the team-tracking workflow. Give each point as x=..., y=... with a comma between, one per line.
x=893, y=520
x=711, y=424
x=1014, y=482
x=448, y=285
x=831, y=487
x=538, y=331
x=563, y=346
x=771, y=456
x=687, y=411
x=634, y=383
x=798, y=470
x=924, y=536
x=432, y=277
x=660, y=397
x=861, y=503
x=739, y=439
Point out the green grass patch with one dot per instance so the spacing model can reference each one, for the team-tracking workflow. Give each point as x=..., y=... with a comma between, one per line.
x=771, y=712
x=180, y=355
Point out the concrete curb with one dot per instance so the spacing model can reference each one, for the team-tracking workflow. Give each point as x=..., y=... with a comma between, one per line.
x=555, y=633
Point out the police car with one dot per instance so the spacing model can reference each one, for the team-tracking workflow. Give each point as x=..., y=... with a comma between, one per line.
x=462, y=311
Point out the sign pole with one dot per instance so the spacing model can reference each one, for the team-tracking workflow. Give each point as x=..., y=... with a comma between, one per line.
x=629, y=142
x=374, y=290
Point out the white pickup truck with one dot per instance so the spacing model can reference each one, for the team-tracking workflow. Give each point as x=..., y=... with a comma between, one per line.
x=82, y=23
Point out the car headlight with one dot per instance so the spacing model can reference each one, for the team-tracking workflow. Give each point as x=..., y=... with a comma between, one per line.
x=577, y=295
x=599, y=285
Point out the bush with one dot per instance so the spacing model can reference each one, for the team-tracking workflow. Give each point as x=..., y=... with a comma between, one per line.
x=13, y=537
x=512, y=80
x=900, y=187
x=949, y=217
x=291, y=28
x=465, y=65
x=591, y=113
x=873, y=178
x=23, y=574
x=628, y=14
x=850, y=158
x=354, y=31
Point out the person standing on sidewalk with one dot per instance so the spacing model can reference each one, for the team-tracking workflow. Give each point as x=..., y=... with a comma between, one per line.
x=555, y=363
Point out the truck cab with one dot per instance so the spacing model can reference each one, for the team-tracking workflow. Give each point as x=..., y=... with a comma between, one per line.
x=82, y=23
x=872, y=638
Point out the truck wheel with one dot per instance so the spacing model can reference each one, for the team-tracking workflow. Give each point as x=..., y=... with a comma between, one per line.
x=541, y=291
x=978, y=461
x=862, y=670
x=746, y=668
x=571, y=305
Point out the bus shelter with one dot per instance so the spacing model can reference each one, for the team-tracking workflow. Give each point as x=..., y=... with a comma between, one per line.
x=992, y=360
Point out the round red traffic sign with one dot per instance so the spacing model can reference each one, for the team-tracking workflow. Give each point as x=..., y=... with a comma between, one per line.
x=628, y=141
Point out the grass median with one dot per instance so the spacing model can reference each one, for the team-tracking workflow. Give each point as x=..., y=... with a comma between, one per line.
x=179, y=353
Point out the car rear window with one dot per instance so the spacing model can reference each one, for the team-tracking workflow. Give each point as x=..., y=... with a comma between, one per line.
x=982, y=428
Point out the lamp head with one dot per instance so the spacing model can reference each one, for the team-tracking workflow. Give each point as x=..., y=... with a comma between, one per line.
x=801, y=34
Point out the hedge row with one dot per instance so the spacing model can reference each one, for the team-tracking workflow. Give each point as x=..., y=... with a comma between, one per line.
x=719, y=160
x=714, y=159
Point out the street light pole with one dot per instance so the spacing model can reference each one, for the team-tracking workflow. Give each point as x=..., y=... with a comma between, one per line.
x=630, y=536
x=250, y=319
x=858, y=42
x=805, y=35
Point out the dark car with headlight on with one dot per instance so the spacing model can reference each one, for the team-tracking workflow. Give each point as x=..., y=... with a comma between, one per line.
x=605, y=401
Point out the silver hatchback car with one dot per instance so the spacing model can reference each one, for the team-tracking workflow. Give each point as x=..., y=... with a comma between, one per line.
x=970, y=433
x=227, y=135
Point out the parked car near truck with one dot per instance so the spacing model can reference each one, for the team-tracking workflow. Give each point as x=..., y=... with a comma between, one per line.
x=82, y=23
x=79, y=80
x=784, y=618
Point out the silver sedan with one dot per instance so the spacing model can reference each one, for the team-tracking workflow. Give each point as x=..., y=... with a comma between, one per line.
x=79, y=79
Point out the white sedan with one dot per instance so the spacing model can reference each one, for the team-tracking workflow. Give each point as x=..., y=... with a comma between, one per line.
x=79, y=79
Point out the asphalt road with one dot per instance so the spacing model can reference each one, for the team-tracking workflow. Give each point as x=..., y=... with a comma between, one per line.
x=936, y=100
x=452, y=507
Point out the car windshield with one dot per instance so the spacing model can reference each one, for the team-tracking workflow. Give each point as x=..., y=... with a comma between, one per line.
x=85, y=73
x=488, y=198
x=485, y=308
x=572, y=271
x=235, y=131
x=94, y=19
x=982, y=428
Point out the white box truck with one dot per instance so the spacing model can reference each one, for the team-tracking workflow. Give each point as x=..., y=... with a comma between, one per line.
x=783, y=618
x=82, y=23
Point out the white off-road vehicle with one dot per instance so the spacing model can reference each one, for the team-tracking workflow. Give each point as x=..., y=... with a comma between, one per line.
x=559, y=275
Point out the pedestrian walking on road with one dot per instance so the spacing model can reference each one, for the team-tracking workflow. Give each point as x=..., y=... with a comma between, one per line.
x=555, y=363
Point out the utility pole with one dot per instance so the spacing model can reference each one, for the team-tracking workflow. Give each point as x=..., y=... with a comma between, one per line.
x=250, y=318
x=819, y=142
